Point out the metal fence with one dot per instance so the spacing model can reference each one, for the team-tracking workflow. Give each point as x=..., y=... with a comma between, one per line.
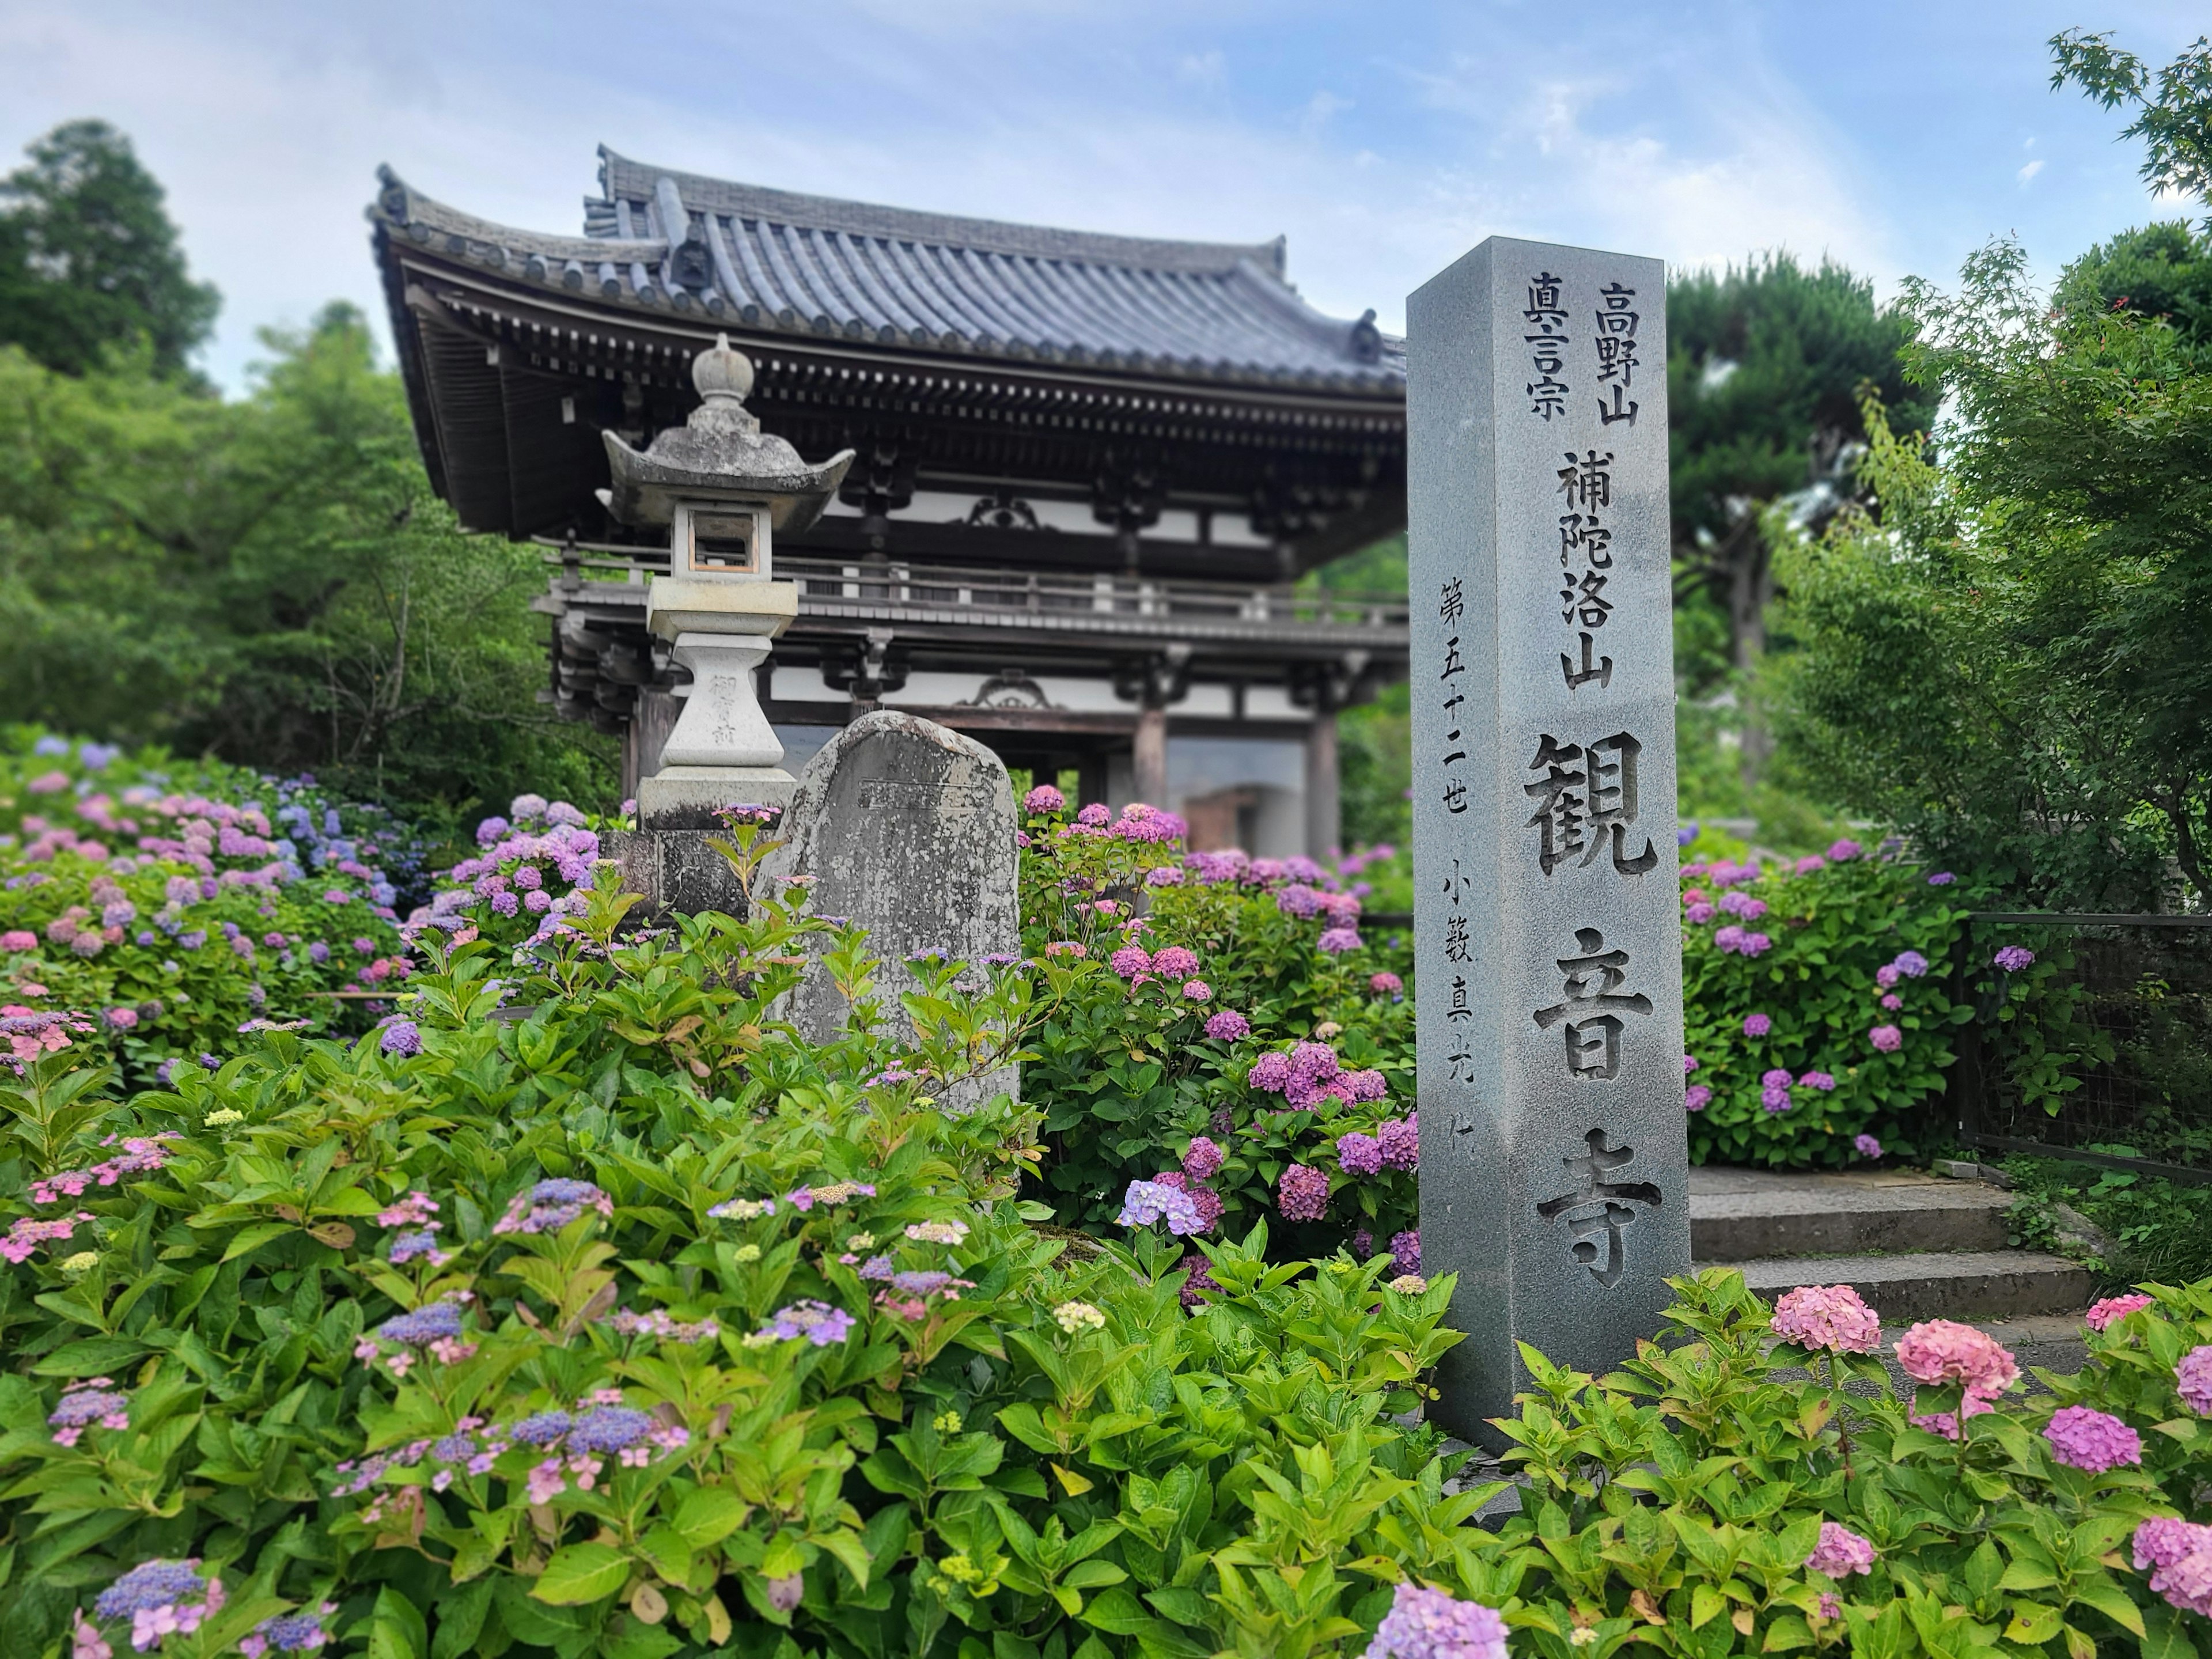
x=2102, y=1053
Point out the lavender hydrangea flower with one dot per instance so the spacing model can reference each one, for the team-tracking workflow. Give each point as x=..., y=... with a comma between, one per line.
x=288, y=1632
x=609, y=1429
x=1147, y=1201
x=402, y=1037
x=1336, y=941
x=2013, y=958
x=550, y=1206
x=438, y=1321
x=1427, y=1624
x=543, y=1428
x=818, y=1321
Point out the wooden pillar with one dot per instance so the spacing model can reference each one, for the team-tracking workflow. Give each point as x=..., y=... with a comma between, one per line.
x=647, y=732
x=1151, y=756
x=1092, y=781
x=1324, y=807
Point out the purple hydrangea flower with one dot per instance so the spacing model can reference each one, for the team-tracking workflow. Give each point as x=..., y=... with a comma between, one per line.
x=1405, y=1251
x=2013, y=958
x=1202, y=1160
x=1302, y=1193
x=1228, y=1026
x=1358, y=1154
x=1336, y=941
x=2095, y=1441
x=1399, y=1140
x=1757, y=1025
x=1868, y=1145
x=2192, y=1377
x=402, y=1037
x=609, y=1429
x=1697, y=1098
x=1840, y=1552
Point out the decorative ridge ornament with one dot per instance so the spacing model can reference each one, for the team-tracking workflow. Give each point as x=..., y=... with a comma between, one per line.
x=720, y=454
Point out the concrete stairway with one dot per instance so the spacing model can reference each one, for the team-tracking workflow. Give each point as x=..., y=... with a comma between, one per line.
x=1916, y=1246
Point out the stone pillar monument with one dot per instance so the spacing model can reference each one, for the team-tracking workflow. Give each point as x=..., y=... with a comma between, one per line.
x=1554, y=1159
x=721, y=488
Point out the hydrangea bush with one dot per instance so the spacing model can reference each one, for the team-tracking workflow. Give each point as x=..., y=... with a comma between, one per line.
x=641, y=1327
x=149, y=910
x=1218, y=1022
x=1818, y=1003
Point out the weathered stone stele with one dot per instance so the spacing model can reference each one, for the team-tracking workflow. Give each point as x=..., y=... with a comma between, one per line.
x=1554, y=1161
x=906, y=828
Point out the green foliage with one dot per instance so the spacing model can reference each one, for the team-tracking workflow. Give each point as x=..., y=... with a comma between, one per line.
x=1121, y=1065
x=89, y=265
x=1842, y=934
x=270, y=580
x=2009, y=665
x=2174, y=105
x=2162, y=1229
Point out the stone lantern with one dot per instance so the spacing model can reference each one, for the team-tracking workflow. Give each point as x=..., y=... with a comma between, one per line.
x=722, y=489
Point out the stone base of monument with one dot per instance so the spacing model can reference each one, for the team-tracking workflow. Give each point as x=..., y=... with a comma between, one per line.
x=667, y=858
x=687, y=797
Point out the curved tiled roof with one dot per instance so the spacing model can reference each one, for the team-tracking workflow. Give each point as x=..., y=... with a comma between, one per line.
x=774, y=259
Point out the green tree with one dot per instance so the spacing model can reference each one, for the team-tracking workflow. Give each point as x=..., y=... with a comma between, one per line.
x=2173, y=105
x=88, y=257
x=271, y=581
x=1764, y=366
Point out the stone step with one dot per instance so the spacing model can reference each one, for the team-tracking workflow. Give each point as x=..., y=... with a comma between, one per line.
x=1749, y=1215
x=1962, y=1285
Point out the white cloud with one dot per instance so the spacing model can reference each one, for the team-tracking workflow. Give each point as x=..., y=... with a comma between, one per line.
x=2030, y=170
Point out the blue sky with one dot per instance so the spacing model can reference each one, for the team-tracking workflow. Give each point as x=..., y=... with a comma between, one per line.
x=1383, y=138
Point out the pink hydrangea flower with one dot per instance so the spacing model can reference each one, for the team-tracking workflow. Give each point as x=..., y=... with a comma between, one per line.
x=1228, y=1026
x=1831, y=1318
x=1824, y=1081
x=1808, y=864
x=1400, y=1139
x=2095, y=1441
x=1197, y=990
x=1043, y=798
x=1938, y=1351
x=1840, y=1552
x=1886, y=1038
x=1131, y=961
x=1842, y=852
x=2102, y=1315
x=1689, y=1064
x=1385, y=984
x=1757, y=1025
x=1175, y=963
x=1270, y=1073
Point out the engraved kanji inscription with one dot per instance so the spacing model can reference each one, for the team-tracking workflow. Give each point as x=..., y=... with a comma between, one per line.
x=1593, y=1006
x=1598, y=1204
x=1546, y=314
x=1585, y=800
